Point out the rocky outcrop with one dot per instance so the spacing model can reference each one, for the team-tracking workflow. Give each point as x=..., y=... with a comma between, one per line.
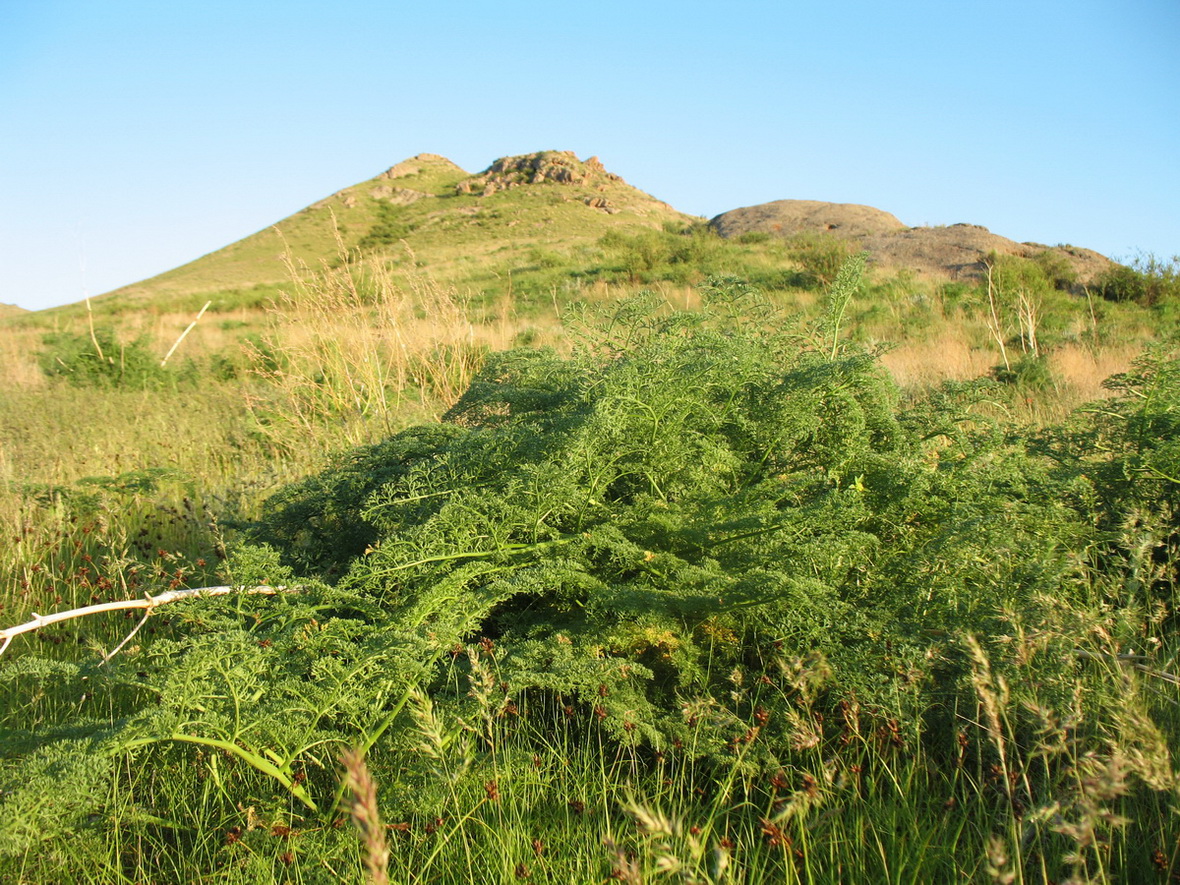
x=788, y=218
x=601, y=203
x=955, y=251
x=545, y=167
x=398, y=196
x=959, y=249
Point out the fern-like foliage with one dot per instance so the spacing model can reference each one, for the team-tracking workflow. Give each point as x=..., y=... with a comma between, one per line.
x=697, y=521
x=690, y=496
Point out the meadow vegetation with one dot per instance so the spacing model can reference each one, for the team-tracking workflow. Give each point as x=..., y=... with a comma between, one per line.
x=643, y=556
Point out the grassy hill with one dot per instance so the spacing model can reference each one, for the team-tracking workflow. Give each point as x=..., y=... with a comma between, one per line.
x=428, y=259
x=522, y=214
x=512, y=248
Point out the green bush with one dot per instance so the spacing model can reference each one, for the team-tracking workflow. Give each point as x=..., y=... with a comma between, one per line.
x=1057, y=269
x=677, y=254
x=754, y=237
x=1012, y=274
x=1147, y=280
x=820, y=255
x=1029, y=374
x=1122, y=283
x=101, y=360
x=389, y=228
x=707, y=499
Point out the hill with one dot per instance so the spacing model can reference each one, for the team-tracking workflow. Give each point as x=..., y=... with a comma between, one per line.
x=424, y=211
x=953, y=251
x=523, y=240
x=544, y=225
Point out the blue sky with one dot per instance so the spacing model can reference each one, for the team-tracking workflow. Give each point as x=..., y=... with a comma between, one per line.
x=136, y=136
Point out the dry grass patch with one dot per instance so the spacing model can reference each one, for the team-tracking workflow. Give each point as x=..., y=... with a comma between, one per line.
x=1085, y=369
x=949, y=355
x=350, y=355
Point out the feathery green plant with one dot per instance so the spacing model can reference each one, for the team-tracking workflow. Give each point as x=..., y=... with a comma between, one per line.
x=703, y=589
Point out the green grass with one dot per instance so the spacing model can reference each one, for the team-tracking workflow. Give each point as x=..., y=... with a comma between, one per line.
x=1054, y=763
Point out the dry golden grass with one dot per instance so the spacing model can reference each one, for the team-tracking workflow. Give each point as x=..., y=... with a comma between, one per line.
x=1085, y=369
x=350, y=350
x=950, y=354
x=18, y=359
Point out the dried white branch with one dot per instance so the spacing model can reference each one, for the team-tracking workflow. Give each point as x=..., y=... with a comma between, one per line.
x=150, y=603
x=188, y=329
x=1099, y=656
x=1159, y=674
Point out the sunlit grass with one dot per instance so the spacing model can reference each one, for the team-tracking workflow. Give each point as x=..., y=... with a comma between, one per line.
x=111, y=493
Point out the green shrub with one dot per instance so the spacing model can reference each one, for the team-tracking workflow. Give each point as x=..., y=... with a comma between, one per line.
x=1012, y=274
x=1122, y=283
x=101, y=360
x=1147, y=280
x=389, y=228
x=704, y=500
x=1029, y=374
x=1140, y=476
x=546, y=258
x=677, y=254
x=754, y=237
x=1057, y=269
x=820, y=255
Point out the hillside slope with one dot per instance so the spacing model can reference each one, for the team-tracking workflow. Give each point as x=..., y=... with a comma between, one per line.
x=425, y=211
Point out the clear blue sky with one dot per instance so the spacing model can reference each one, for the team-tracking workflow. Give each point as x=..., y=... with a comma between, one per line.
x=136, y=136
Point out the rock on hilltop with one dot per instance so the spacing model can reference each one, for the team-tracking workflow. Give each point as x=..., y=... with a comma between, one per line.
x=556, y=167
x=790, y=217
x=599, y=189
x=955, y=251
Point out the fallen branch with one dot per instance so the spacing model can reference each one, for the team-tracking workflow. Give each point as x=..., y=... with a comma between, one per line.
x=150, y=603
x=1101, y=656
x=1159, y=674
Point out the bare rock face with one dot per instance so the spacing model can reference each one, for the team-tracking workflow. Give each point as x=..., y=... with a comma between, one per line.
x=546, y=167
x=786, y=218
x=601, y=203
x=956, y=251
x=398, y=196
x=415, y=164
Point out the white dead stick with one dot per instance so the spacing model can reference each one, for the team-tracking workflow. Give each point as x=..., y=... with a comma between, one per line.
x=172, y=349
x=150, y=603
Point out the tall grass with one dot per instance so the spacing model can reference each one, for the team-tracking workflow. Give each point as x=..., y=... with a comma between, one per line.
x=105, y=495
x=351, y=354
x=102, y=491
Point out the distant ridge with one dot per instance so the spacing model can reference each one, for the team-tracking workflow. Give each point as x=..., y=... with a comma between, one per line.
x=954, y=251
x=478, y=229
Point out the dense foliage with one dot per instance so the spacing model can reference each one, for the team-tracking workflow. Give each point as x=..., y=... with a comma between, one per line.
x=706, y=535
x=99, y=359
x=1148, y=280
